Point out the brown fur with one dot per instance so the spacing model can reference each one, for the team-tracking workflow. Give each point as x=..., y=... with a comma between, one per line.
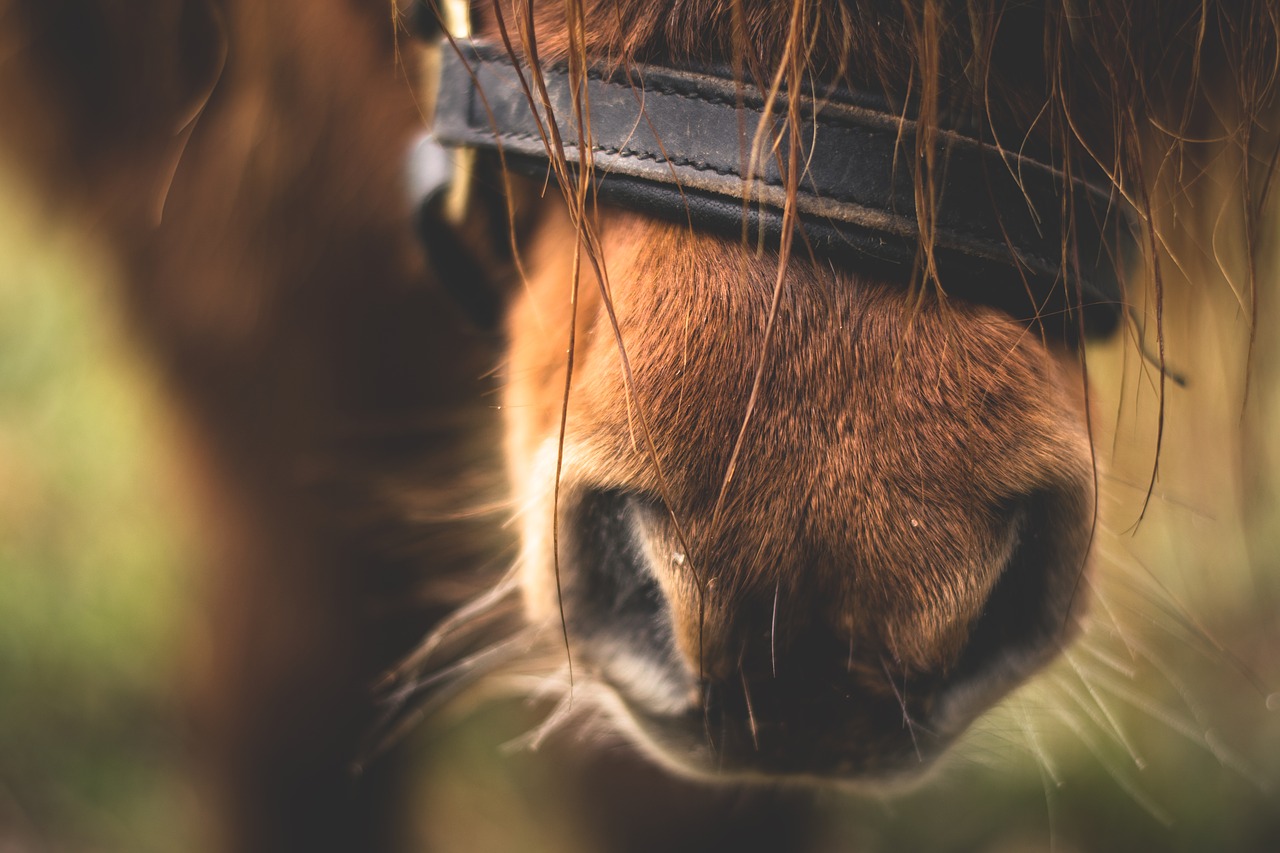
x=877, y=414
x=880, y=467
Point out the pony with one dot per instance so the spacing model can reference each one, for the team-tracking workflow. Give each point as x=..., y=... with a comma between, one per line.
x=783, y=515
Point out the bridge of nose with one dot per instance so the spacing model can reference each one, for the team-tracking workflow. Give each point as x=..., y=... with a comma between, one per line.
x=889, y=540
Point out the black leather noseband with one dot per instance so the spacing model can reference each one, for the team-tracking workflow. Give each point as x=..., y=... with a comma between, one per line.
x=1010, y=230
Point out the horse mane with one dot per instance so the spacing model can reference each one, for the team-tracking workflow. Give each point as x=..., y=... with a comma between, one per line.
x=1092, y=77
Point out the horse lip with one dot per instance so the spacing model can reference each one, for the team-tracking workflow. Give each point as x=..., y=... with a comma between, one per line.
x=869, y=740
x=686, y=743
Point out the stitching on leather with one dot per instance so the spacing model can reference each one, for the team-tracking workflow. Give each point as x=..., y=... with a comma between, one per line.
x=699, y=166
x=987, y=236
x=673, y=89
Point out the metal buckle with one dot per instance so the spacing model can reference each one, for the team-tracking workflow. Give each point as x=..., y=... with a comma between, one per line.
x=435, y=172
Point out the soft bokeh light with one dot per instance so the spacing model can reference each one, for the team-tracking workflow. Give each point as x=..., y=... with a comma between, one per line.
x=91, y=585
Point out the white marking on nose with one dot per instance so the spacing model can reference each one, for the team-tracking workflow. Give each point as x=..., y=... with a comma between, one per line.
x=647, y=683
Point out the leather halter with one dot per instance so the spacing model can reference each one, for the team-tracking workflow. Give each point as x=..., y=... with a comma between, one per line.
x=1010, y=230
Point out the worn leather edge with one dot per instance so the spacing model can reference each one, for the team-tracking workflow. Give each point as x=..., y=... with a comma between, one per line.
x=676, y=144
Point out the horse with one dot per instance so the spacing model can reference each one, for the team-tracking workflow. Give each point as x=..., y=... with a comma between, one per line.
x=784, y=508
x=820, y=543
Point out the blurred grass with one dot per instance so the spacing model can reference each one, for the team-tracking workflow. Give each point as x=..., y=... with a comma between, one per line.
x=91, y=590
x=1160, y=731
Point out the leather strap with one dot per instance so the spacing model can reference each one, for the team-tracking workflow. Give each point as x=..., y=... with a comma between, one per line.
x=677, y=144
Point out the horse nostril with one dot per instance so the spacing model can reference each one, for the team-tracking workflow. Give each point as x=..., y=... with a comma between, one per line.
x=1029, y=612
x=616, y=612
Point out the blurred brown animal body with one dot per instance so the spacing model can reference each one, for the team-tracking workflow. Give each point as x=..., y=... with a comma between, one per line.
x=251, y=188
x=815, y=544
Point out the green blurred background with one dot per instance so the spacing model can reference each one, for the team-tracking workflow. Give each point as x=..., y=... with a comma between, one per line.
x=92, y=587
x=1159, y=731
